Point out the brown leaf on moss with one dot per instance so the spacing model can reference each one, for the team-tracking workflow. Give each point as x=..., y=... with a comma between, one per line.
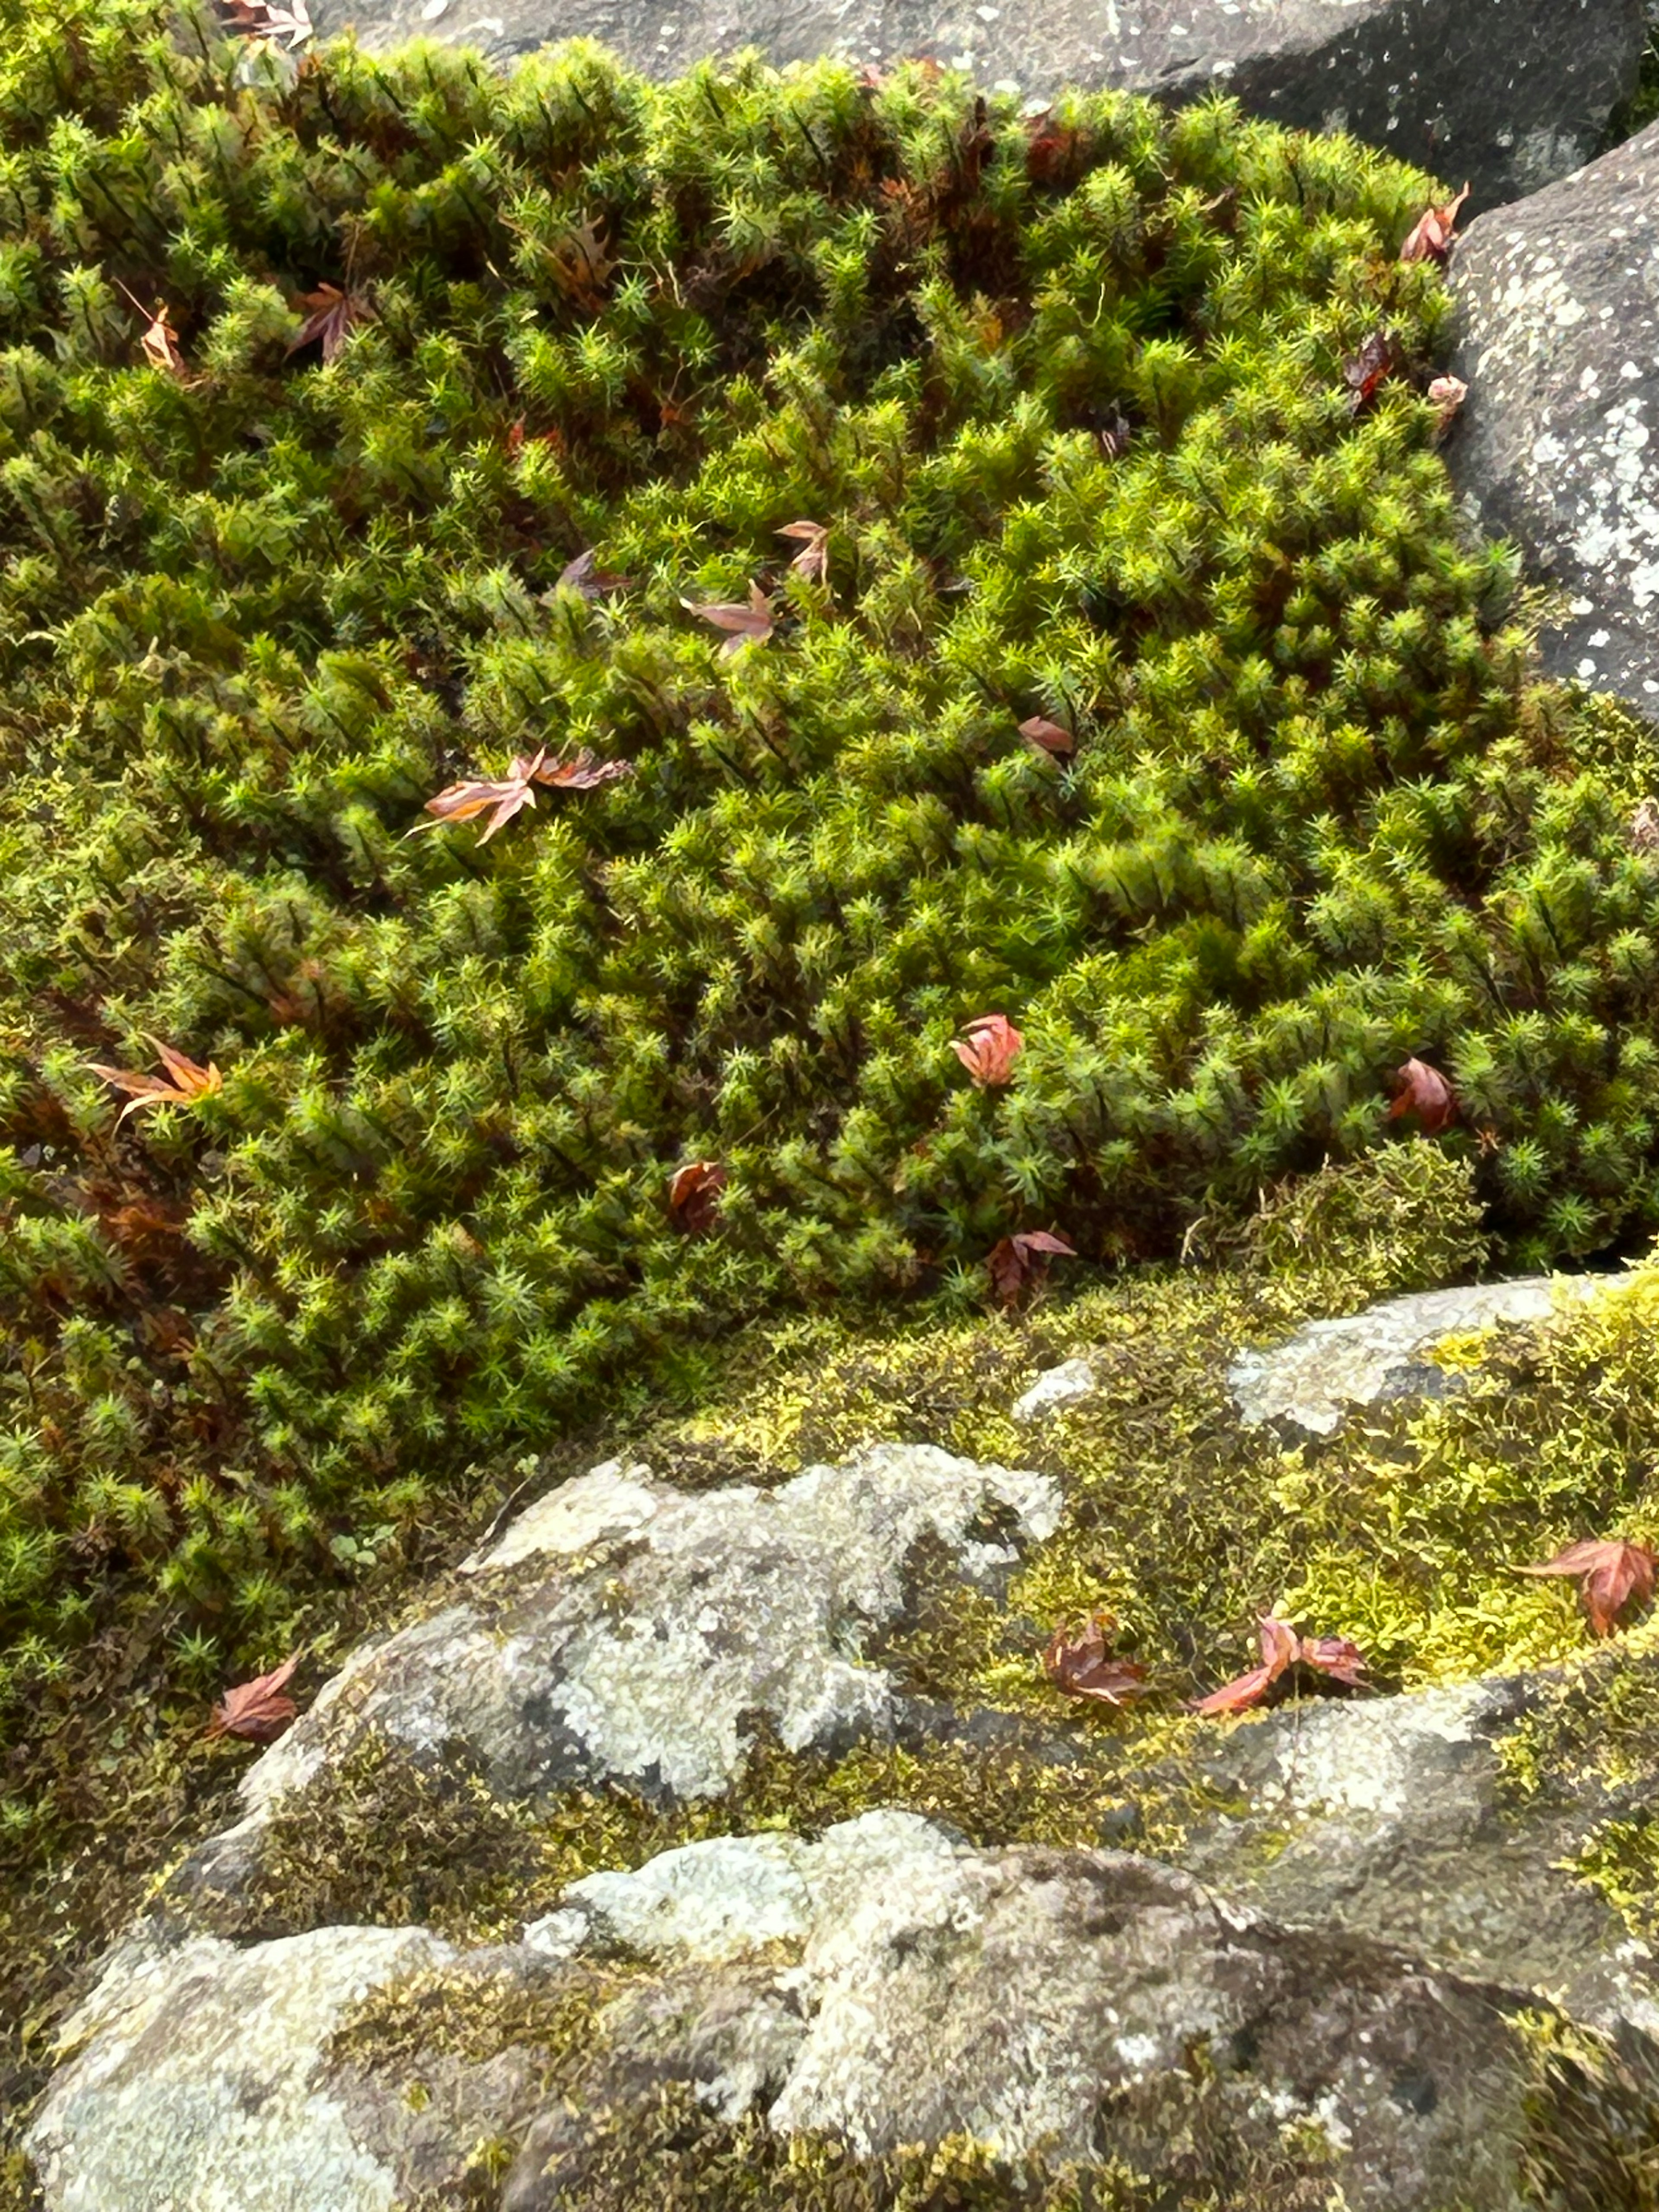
x=1643, y=827
x=160, y=345
x=1019, y=1263
x=1048, y=738
x=694, y=1194
x=746, y=625
x=330, y=317
x=257, y=1710
x=186, y=1079
x=988, y=1049
x=585, y=576
x=1430, y=238
x=580, y=263
x=1423, y=1090
x=275, y=22
x=813, y=539
x=1078, y=1662
x=1612, y=1576
x=1365, y=371
x=502, y=797
x=1446, y=395
x=1282, y=1649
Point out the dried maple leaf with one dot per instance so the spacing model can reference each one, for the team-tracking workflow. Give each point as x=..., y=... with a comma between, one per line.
x=1282, y=1649
x=988, y=1049
x=1050, y=738
x=1611, y=1574
x=694, y=1195
x=257, y=1710
x=1078, y=1662
x=580, y=264
x=1424, y=1090
x=502, y=797
x=813, y=539
x=268, y=20
x=585, y=576
x=160, y=344
x=1020, y=1261
x=1364, y=372
x=186, y=1079
x=1643, y=827
x=330, y=315
x=1446, y=395
x=746, y=625
x=1430, y=236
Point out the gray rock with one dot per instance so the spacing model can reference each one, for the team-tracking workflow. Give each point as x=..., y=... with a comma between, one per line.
x=1053, y=2004
x=1392, y=1819
x=1510, y=94
x=1310, y=1383
x=1558, y=313
x=622, y=1629
x=1071, y=1383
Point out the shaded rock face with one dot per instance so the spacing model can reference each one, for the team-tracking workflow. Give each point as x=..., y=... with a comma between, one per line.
x=1056, y=2004
x=1507, y=94
x=1309, y=1385
x=1557, y=304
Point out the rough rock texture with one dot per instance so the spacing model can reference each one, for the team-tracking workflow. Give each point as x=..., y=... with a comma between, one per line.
x=1559, y=309
x=1394, y=1819
x=621, y=1630
x=1071, y=1383
x=1312, y=1382
x=1053, y=2003
x=1508, y=94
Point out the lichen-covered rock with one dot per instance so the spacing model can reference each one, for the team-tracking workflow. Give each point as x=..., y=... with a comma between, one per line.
x=1329, y=1369
x=908, y=1989
x=1400, y=1818
x=1508, y=93
x=621, y=1630
x=1560, y=346
x=204, y=2083
x=1073, y=1382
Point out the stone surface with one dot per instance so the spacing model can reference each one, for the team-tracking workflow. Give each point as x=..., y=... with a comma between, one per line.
x=1071, y=1383
x=622, y=1629
x=1392, y=1818
x=1508, y=94
x=1558, y=314
x=1051, y=2003
x=1328, y=1370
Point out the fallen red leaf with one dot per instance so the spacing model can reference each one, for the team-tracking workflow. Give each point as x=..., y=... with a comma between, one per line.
x=1643, y=827
x=1282, y=1649
x=583, y=574
x=1019, y=1261
x=750, y=625
x=257, y=1710
x=1424, y=1090
x=160, y=344
x=1448, y=394
x=1046, y=737
x=1611, y=1573
x=813, y=538
x=988, y=1049
x=1365, y=371
x=261, y=19
x=186, y=1079
x=502, y=797
x=1430, y=236
x=331, y=315
x=694, y=1195
x=1078, y=1662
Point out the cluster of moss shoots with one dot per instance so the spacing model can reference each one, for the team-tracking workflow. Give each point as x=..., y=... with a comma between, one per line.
x=314, y=384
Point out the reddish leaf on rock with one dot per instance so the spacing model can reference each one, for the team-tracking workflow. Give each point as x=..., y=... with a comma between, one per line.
x=1447, y=394
x=1430, y=236
x=1424, y=1090
x=750, y=625
x=1611, y=1575
x=257, y=1710
x=583, y=574
x=331, y=318
x=988, y=1049
x=694, y=1195
x=813, y=539
x=1046, y=737
x=1019, y=1262
x=1365, y=371
x=1078, y=1662
x=1282, y=1649
x=186, y=1079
